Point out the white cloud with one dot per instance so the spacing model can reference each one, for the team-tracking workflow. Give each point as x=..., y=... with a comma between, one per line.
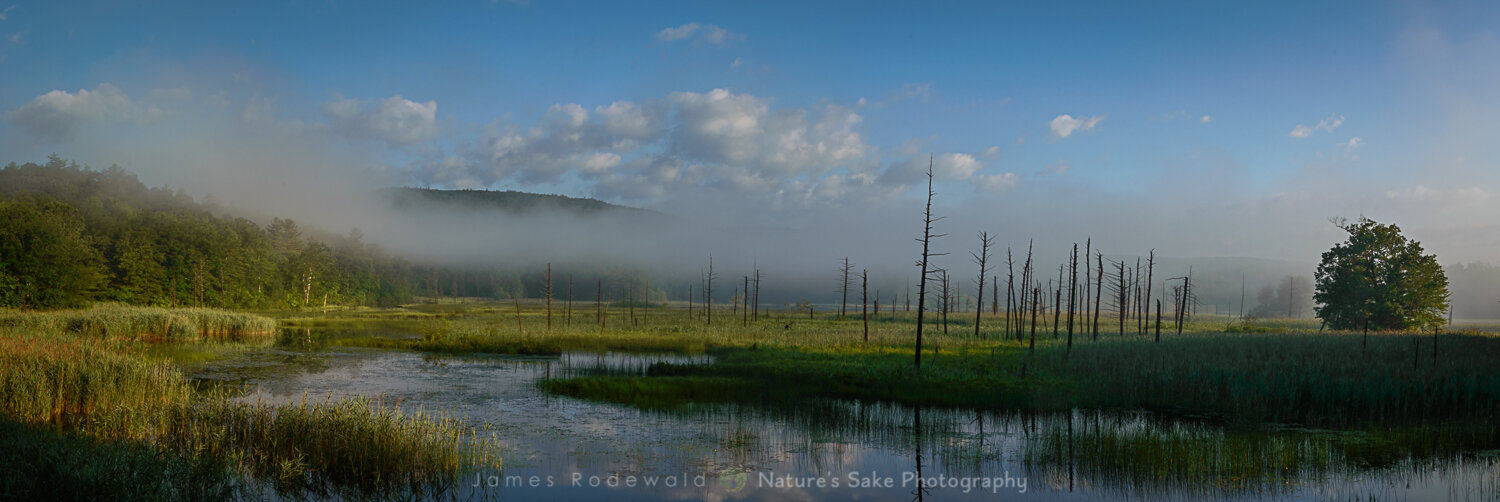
x=5, y=14
x=678, y=33
x=718, y=125
x=991, y=152
x=1326, y=125
x=58, y=115
x=1065, y=125
x=395, y=120
x=955, y=166
x=1353, y=143
x=995, y=183
x=1206, y=119
x=700, y=34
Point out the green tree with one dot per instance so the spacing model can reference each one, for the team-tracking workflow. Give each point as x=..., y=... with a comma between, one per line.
x=46, y=261
x=1379, y=279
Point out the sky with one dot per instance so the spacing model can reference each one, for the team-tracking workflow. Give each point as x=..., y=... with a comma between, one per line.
x=1195, y=128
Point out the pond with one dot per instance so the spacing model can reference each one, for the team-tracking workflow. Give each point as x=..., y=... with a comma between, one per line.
x=560, y=448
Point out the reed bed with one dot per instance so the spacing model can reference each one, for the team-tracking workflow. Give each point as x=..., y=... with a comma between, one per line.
x=353, y=443
x=64, y=387
x=146, y=324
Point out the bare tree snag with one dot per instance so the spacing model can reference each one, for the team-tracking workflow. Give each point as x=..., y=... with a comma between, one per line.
x=1098, y=294
x=927, y=254
x=1072, y=293
x=708, y=291
x=844, y=287
x=985, y=241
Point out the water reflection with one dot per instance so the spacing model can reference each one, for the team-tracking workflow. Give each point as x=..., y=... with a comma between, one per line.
x=563, y=448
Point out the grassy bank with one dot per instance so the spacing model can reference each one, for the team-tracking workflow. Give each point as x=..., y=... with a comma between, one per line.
x=70, y=391
x=1302, y=378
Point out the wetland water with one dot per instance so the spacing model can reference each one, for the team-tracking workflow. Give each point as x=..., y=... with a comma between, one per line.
x=561, y=448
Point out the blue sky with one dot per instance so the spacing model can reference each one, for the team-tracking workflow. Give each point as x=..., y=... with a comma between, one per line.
x=1266, y=117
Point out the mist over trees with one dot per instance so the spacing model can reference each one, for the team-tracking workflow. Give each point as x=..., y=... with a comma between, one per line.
x=1292, y=296
x=74, y=235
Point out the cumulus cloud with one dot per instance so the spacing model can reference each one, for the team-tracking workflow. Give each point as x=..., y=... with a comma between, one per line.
x=396, y=120
x=1206, y=119
x=1065, y=125
x=58, y=115
x=700, y=34
x=1327, y=125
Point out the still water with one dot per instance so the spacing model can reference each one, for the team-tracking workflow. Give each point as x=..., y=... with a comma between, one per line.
x=560, y=448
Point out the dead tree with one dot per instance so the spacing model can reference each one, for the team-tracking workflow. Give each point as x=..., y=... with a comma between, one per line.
x=1034, y=302
x=1026, y=281
x=569, y=317
x=1135, y=288
x=708, y=291
x=1010, y=292
x=630, y=296
x=927, y=254
x=1072, y=293
x=844, y=287
x=1150, y=276
x=745, y=312
x=1184, y=297
x=1098, y=294
x=690, y=302
x=1122, y=298
x=1057, y=302
x=517, y=300
x=599, y=303
x=985, y=241
x=1088, y=250
x=1158, y=320
x=755, y=310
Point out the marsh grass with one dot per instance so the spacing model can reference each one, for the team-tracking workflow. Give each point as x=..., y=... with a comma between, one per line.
x=1325, y=379
x=146, y=324
x=70, y=391
x=44, y=464
x=354, y=443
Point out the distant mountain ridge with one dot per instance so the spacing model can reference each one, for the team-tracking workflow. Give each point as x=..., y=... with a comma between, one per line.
x=509, y=201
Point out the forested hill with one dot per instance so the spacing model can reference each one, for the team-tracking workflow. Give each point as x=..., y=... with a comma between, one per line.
x=509, y=201
x=71, y=235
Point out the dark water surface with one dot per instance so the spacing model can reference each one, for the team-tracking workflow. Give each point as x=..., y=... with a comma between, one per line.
x=558, y=448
